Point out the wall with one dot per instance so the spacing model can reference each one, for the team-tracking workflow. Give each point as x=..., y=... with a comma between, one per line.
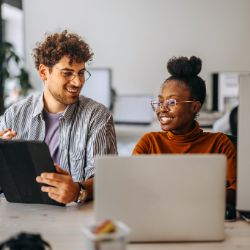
x=137, y=37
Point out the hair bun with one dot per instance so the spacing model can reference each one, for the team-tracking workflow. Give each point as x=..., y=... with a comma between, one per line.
x=184, y=67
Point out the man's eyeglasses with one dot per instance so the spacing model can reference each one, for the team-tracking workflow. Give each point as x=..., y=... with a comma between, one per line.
x=169, y=104
x=83, y=75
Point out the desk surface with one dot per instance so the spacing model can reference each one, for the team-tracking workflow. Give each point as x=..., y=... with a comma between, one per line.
x=61, y=227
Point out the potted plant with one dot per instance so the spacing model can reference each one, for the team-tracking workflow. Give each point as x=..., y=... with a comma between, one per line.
x=8, y=60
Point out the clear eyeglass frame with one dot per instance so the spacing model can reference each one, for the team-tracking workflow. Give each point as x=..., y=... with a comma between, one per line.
x=83, y=75
x=169, y=104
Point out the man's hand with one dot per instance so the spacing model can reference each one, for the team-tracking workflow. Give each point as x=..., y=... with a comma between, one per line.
x=61, y=188
x=7, y=134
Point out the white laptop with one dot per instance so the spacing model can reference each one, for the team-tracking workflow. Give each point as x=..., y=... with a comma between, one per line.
x=163, y=197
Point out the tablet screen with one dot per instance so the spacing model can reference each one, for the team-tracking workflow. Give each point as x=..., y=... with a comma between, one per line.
x=20, y=163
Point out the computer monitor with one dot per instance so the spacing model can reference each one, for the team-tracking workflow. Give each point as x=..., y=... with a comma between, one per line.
x=133, y=109
x=98, y=86
x=225, y=91
x=243, y=176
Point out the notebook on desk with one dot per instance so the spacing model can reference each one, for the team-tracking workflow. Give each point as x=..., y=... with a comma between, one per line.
x=163, y=197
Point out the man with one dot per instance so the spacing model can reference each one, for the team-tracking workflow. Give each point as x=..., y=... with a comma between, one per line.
x=75, y=128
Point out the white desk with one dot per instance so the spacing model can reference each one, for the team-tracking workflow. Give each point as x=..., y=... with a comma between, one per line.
x=61, y=227
x=128, y=135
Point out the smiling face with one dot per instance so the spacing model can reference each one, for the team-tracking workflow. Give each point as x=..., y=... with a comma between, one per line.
x=179, y=118
x=59, y=91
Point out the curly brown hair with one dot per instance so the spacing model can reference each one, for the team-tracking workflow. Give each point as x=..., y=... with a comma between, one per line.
x=55, y=46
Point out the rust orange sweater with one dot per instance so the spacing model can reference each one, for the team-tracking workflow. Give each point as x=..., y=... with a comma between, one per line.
x=196, y=141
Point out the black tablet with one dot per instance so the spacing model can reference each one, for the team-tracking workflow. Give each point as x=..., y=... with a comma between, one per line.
x=20, y=163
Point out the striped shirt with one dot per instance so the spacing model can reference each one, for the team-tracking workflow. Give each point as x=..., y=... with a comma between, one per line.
x=86, y=129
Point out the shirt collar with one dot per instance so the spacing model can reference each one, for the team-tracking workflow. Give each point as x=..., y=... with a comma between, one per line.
x=39, y=106
x=67, y=114
x=69, y=111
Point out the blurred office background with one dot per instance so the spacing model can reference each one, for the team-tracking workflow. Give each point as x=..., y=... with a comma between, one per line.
x=134, y=39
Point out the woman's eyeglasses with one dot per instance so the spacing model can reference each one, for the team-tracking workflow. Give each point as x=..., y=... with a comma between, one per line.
x=169, y=104
x=69, y=75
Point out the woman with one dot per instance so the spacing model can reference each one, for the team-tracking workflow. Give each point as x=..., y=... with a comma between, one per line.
x=179, y=101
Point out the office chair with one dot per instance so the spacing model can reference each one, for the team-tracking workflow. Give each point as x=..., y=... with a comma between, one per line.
x=233, y=121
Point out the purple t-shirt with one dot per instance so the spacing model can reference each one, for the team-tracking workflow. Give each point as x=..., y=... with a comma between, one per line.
x=52, y=133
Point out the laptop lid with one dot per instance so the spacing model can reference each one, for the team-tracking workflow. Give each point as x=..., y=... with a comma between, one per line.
x=163, y=197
